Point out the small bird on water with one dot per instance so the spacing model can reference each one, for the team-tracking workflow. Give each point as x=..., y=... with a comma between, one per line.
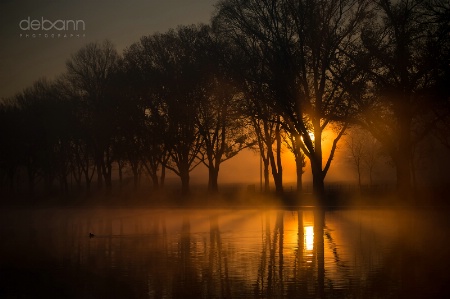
x=91, y=235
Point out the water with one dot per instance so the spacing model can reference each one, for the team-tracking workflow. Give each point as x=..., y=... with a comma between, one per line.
x=228, y=253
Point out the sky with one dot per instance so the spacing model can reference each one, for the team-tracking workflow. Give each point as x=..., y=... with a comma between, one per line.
x=24, y=59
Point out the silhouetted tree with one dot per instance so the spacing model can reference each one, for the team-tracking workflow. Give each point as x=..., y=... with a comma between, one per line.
x=10, y=147
x=43, y=134
x=355, y=144
x=90, y=71
x=403, y=48
x=299, y=45
x=221, y=127
x=293, y=144
x=250, y=73
x=60, y=125
x=263, y=130
x=82, y=153
x=143, y=84
x=178, y=84
x=364, y=153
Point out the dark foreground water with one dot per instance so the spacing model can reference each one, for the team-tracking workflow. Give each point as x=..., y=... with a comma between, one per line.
x=175, y=253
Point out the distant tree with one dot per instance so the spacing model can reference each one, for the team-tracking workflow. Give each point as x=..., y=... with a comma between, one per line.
x=142, y=84
x=355, y=144
x=44, y=133
x=373, y=154
x=90, y=71
x=221, y=127
x=129, y=139
x=174, y=67
x=36, y=154
x=220, y=121
x=156, y=153
x=60, y=126
x=439, y=13
x=11, y=146
x=442, y=131
x=403, y=49
x=364, y=153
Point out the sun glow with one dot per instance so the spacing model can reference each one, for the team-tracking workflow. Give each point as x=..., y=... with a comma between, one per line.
x=311, y=136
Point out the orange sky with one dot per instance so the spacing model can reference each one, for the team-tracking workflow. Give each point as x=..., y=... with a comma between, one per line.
x=245, y=167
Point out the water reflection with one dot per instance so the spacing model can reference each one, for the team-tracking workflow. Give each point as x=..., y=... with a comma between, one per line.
x=223, y=254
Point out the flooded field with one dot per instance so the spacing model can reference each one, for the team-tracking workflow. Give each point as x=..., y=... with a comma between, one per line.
x=223, y=253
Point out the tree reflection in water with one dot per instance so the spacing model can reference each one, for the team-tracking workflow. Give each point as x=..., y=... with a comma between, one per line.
x=223, y=254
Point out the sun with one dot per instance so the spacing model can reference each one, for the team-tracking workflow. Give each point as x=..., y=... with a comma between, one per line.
x=311, y=136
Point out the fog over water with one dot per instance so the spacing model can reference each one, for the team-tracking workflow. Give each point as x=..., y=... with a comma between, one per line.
x=222, y=253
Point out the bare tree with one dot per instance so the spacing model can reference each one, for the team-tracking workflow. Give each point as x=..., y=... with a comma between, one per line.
x=293, y=144
x=249, y=71
x=300, y=45
x=355, y=144
x=142, y=84
x=364, y=153
x=221, y=127
x=90, y=70
x=403, y=49
x=220, y=120
x=173, y=65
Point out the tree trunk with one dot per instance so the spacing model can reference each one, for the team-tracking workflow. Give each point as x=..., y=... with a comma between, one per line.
x=403, y=159
x=359, y=179
x=136, y=176
x=299, y=170
x=120, y=175
x=318, y=183
x=99, y=175
x=106, y=171
x=88, y=185
x=155, y=181
x=279, y=179
x=163, y=175
x=184, y=176
x=277, y=168
x=107, y=175
x=266, y=175
x=316, y=166
x=213, y=185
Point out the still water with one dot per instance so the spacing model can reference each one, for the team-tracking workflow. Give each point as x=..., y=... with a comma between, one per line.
x=228, y=253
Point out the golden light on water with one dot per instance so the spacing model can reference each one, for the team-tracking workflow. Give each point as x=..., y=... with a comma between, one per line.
x=309, y=237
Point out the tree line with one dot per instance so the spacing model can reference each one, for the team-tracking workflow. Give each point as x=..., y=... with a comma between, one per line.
x=264, y=74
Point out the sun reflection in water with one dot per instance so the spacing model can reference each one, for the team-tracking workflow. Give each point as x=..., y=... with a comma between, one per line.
x=309, y=237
